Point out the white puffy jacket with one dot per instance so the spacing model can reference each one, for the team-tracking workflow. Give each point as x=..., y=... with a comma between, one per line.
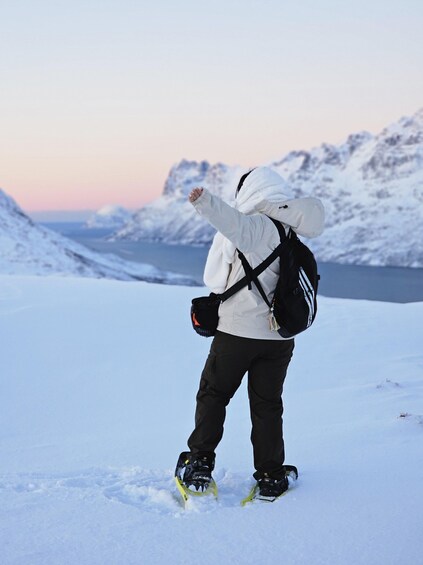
x=248, y=229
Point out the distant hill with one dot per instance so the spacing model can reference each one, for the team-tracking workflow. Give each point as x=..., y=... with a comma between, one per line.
x=27, y=248
x=109, y=217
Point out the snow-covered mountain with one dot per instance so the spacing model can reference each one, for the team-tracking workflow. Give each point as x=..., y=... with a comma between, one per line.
x=27, y=248
x=171, y=218
x=371, y=186
x=109, y=217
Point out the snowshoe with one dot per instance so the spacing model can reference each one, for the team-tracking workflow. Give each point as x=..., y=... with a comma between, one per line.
x=193, y=475
x=268, y=489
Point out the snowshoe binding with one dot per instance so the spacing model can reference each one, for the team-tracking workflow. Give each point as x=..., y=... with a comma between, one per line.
x=268, y=489
x=193, y=475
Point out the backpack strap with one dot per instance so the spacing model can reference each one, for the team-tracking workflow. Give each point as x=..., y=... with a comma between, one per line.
x=251, y=274
x=252, y=277
x=281, y=229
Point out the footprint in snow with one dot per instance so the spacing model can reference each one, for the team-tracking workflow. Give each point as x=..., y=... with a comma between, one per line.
x=147, y=490
x=388, y=384
x=417, y=418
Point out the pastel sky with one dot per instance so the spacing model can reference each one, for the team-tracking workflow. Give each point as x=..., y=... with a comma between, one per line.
x=99, y=98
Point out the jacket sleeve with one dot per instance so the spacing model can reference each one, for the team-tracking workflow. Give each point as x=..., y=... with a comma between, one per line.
x=244, y=231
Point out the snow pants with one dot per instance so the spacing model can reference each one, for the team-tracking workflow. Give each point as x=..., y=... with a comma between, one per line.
x=266, y=362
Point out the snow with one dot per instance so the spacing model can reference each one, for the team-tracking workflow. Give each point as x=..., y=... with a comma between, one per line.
x=97, y=399
x=27, y=248
x=109, y=216
x=171, y=218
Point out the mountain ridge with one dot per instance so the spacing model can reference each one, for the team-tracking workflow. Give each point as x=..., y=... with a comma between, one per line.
x=371, y=187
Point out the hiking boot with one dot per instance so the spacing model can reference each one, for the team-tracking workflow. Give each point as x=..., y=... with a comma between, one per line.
x=272, y=488
x=195, y=471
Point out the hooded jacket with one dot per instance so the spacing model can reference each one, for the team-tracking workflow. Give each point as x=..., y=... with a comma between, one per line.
x=247, y=227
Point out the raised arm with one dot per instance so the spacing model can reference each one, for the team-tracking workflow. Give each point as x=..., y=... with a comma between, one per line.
x=244, y=231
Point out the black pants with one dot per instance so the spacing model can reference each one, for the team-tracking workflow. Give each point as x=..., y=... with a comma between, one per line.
x=229, y=359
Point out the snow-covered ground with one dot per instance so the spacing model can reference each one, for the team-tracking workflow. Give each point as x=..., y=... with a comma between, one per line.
x=97, y=382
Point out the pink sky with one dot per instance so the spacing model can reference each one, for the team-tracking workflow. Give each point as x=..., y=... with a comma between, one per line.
x=99, y=100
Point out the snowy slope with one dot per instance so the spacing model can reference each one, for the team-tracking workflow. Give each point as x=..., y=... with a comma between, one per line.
x=27, y=248
x=97, y=400
x=371, y=186
x=109, y=217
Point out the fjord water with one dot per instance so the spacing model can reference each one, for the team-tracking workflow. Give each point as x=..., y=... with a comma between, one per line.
x=387, y=284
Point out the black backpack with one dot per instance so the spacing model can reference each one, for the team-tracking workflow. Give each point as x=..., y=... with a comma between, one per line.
x=294, y=305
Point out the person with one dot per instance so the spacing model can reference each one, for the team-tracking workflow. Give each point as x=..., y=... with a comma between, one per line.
x=244, y=341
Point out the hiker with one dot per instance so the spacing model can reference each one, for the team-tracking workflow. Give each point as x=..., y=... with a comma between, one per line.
x=244, y=341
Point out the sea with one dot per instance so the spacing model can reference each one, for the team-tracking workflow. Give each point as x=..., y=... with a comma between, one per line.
x=387, y=284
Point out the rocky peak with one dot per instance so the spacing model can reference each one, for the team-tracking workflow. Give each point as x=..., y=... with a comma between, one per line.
x=398, y=150
x=186, y=175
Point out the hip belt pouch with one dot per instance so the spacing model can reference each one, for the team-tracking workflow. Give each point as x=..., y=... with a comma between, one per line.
x=204, y=314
